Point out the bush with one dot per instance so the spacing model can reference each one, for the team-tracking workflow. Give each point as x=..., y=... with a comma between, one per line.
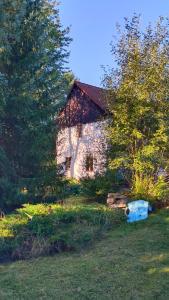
x=71, y=187
x=142, y=187
x=101, y=185
x=148, y=188
x=36, y=230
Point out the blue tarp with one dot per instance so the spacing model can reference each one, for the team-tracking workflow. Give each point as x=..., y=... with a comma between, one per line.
x=137, y=210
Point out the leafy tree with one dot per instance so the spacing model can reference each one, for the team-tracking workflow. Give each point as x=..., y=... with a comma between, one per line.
x=138, y=91
x=33, y=53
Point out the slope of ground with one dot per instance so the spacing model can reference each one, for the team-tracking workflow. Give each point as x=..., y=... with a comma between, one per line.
x=131, y=262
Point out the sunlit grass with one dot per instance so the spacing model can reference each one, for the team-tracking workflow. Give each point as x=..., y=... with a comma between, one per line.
x=44, y=229
x=8, y=224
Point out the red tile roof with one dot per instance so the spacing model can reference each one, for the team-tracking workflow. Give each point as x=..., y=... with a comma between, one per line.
x=96, y=94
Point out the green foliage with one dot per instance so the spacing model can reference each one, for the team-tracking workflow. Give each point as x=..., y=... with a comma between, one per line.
x=143, y=187
x=71, y=187
x=8, y=189
x=44, y=229
x=153, y=190
x=161, y=189
x=138, y=91
x=101, y=185
x=33, y=85
x=89, y=189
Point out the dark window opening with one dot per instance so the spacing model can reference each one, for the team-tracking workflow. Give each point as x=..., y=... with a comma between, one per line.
x=79, y=130
x=68, y=163
x=89, y=163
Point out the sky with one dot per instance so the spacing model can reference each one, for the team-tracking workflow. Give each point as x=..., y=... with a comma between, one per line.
x=93, y=26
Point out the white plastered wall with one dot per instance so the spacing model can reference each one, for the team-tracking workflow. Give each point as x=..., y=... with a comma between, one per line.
x=92, y=141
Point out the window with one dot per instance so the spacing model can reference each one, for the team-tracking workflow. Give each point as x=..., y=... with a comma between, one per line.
x=89, y=163
x=79, y=130
x=67, y=163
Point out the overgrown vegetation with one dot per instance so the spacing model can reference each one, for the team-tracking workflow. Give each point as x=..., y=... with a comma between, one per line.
x=101, y=185
x=138, y=91
x=94, y=189
x=41, y=229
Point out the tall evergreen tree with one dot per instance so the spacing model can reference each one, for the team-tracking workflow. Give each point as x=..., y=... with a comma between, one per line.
x=33, y=52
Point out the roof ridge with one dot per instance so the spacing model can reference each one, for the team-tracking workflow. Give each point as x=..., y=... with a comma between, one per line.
x=90, y=85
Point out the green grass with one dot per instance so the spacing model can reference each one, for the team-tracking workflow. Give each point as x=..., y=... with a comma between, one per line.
x=130, y=262
x=41, y=229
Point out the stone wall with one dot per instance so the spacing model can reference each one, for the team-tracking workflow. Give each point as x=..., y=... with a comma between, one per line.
x=92, y=142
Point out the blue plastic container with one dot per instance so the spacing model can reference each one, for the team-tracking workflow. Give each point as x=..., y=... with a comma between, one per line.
x=137, y=210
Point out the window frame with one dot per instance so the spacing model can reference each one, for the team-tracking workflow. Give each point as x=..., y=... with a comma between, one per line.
x=89, y=163
x=68, y=163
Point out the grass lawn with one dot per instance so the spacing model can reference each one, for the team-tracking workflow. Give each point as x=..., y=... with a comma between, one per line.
x=130, y=262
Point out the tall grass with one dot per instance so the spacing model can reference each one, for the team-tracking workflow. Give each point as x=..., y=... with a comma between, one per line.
x=146, y=187
x=41, y=229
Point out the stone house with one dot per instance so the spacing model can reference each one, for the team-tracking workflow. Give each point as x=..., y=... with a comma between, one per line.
x=81, y=142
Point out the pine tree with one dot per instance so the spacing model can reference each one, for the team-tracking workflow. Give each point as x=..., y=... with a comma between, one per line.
x=33, y=53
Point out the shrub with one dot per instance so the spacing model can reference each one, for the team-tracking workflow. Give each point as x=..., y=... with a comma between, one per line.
x=146, y=187
x=143, y=186
x=72, y=187
x=99, y=186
